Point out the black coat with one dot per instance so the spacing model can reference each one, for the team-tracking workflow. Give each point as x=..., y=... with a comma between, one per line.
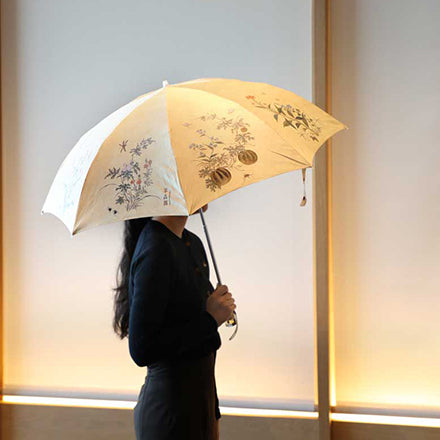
x=172, y=333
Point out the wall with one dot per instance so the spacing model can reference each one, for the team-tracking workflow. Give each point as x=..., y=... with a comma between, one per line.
x=66, y=65
x=386, y=210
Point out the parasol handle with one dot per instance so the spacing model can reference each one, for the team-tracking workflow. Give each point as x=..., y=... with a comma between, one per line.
x=233, y=320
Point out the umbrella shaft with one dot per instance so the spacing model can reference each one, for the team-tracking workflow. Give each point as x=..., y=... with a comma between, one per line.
x=233, y=320
x=210, y=246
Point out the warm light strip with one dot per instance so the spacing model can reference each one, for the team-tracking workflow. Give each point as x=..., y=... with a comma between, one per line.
x=121, y=404
x=386, y=420
x=230, y=411
x=233, y=411
x=62, y=401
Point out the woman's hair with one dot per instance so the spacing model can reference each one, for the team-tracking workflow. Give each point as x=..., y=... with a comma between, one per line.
x=132, y=230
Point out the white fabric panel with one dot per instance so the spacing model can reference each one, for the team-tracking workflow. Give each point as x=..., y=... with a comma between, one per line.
x=386, y=211
x=66, y=66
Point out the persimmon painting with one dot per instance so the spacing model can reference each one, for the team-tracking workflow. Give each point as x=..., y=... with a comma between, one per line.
x=224, y=152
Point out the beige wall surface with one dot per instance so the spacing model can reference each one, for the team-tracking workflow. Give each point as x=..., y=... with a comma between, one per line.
x=386, y=210
x=67, y=65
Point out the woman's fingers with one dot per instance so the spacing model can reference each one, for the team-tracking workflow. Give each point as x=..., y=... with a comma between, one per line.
x=222, y=289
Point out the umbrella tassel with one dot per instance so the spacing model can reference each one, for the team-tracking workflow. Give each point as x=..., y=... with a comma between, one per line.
x=304, y=199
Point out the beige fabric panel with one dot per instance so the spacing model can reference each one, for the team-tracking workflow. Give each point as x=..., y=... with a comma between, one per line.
x=208, y=142
x=140, y=140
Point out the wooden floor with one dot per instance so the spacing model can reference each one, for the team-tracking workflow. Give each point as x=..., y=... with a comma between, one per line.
x=366, y=431
x=38, y=422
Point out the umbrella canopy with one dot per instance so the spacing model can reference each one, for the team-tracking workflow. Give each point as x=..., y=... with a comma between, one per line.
x=173, y=150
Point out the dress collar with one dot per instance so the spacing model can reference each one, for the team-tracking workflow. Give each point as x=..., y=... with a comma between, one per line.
x=170, y=232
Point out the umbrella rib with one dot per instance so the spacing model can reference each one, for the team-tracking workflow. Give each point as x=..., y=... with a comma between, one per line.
x=179, y=180
x=291, y=158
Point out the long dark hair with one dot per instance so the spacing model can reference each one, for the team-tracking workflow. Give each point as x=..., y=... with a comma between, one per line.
x=132, y=230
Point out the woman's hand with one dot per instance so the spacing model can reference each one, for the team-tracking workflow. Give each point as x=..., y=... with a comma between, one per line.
x=220, y=304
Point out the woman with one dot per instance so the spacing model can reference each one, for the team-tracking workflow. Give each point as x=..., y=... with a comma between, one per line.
x=166, y=305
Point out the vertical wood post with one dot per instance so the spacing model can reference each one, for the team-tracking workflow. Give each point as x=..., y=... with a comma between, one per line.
x=1, y=243
x=321, y=218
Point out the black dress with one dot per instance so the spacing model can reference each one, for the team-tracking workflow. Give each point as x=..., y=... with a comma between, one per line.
x=172, y=333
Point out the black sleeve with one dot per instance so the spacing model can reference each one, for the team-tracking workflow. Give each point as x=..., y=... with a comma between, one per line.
x=149, y=340
x=212, y=288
